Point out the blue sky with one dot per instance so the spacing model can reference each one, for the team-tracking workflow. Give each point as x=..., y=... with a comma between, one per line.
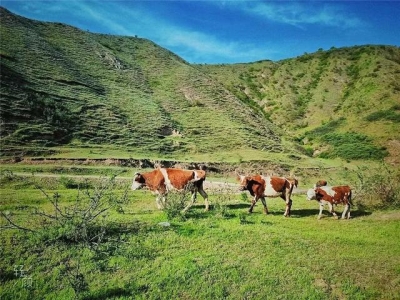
x=229, y=31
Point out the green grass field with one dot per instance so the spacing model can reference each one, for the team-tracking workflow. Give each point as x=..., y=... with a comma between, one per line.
x=225, y=253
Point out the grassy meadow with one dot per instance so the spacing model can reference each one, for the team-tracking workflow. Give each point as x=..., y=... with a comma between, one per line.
x=93, y=238
x=75, y=104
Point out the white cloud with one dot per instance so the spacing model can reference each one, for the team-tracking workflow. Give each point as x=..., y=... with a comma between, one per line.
x=301, y=13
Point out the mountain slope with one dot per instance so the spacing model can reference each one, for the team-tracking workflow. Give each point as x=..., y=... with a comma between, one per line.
x=347, y=96
x=61, y=85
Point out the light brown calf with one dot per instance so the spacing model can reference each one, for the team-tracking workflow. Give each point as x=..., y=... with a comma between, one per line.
x=331, y=195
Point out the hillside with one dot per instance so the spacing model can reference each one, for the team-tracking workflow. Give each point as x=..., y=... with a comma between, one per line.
x=327, y=99
x=64, y=86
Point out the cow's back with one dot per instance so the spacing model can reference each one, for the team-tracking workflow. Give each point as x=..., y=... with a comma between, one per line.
x=334, y=194
x=177, y=178
x=342, y=193
x=275, y=185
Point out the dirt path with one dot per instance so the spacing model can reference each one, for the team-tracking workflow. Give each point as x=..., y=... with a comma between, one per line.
x=214, y=185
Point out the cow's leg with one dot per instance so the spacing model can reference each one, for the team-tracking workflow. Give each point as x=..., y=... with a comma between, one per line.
x=253, y=203
x=287, y=209
x=346, y=211
x=288, y=202
x=332, y=210
x=321, y=208
x=192, y=201
x=205, y=197
x=158, y=201
x=265, y=205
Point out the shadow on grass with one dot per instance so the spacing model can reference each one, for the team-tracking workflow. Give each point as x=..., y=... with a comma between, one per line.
x=238, y=206
x=114, y=293
x=326, y=214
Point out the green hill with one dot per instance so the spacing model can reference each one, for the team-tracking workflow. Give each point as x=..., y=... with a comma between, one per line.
x=342, y=102
x=65, y=86
x=62, y=87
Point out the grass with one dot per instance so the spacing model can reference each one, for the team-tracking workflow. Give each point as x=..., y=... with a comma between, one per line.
x=224, y=253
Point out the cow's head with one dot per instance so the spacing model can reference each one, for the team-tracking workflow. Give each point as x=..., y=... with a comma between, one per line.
x=138, y=181
x=320, y=183
x=244, y=182
x=311, y=194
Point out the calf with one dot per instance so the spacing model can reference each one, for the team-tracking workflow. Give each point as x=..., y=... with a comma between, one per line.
x=162, y=180
x=268, y=186
x=331, y=195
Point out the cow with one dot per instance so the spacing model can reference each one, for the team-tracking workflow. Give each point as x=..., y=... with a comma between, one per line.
x=331, y=195
x=162, y=180
x=268, y=186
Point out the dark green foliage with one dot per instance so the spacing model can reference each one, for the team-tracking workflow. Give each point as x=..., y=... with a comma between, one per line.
x=326, y=128
x=392, y=114
x=352, y=146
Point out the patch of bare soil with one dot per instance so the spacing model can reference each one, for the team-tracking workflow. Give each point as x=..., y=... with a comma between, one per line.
x=386, y=216
x=393, y=147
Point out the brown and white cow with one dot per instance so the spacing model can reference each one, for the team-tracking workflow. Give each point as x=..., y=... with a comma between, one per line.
x=331, y=195
x=268, y=186
x=162, y=180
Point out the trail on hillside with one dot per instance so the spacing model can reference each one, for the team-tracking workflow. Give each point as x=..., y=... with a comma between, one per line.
x=213, y=185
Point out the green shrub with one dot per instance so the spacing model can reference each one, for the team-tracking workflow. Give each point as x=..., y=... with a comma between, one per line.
x=389, y=115
x=352, y=146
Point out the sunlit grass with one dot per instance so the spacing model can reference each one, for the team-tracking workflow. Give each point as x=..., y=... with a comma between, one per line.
x=217, y=254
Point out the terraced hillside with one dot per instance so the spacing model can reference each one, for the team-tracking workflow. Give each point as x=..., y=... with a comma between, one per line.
x=64, y=86
x=61, y=86
x=341, y=102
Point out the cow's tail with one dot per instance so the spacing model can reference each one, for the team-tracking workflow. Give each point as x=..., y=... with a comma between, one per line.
x=351, y=198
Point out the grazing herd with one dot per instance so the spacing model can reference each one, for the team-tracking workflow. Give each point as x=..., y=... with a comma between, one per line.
x=163, y=180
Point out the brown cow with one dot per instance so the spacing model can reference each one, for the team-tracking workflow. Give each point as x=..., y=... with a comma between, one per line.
x=268, y=186
x=331, y=195
x=162, y=180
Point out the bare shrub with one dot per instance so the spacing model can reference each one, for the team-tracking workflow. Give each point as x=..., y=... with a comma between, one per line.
x=176, y=202
x=223, y=196
x=378, y=188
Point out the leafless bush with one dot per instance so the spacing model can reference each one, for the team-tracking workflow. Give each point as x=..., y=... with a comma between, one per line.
x=81, y=221
x=223, y=196
x=176, y=202
x=378, y=188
